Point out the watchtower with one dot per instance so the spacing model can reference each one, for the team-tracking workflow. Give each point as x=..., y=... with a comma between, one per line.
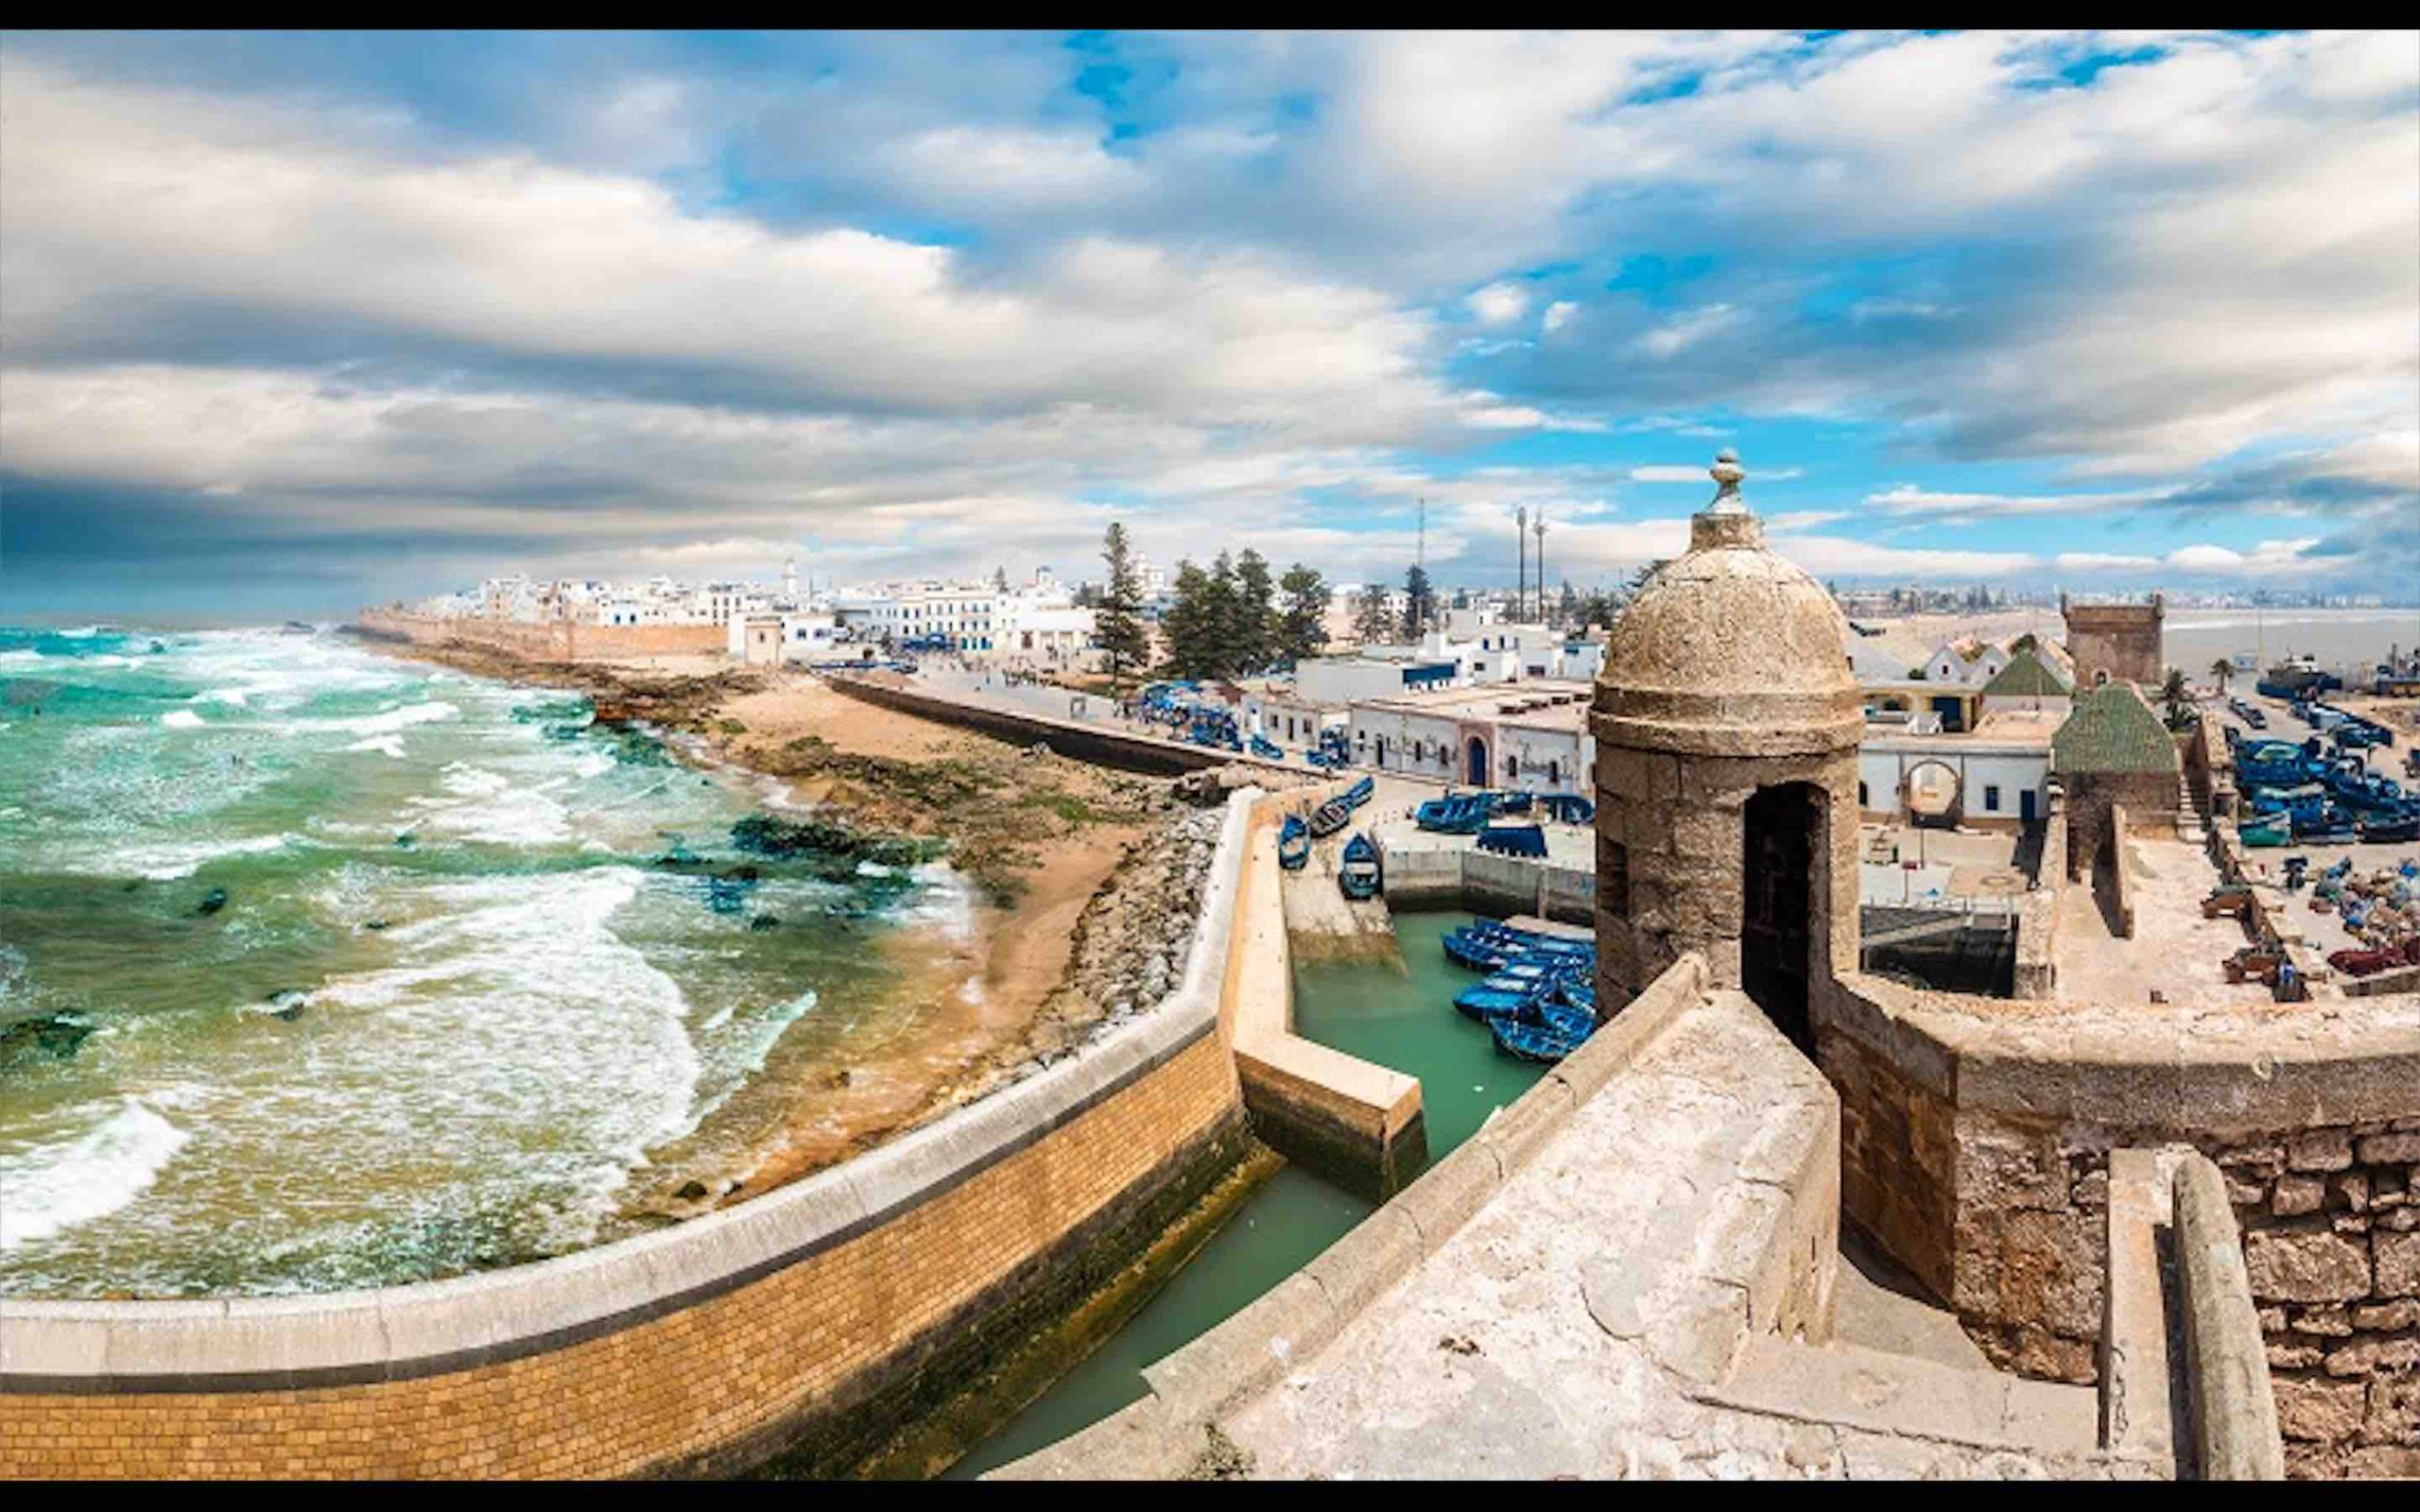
x=1727, y=724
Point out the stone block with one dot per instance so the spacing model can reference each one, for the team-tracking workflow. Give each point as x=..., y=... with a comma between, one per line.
x=2296, y=1192
x=2319, y=1149
x=2391, y=1149
x=2291, y=1267
x=2368, y=1354
x=2397, y=1262
x=2349, y=1188
x=2317, y=1410
x=2393, y=1411
x=2387, y=1316
x=2327, y=1322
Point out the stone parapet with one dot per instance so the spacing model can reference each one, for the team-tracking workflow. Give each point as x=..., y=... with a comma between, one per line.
x=1975, y=1147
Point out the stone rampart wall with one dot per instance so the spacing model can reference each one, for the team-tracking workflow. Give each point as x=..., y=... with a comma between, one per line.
x=1975, y=1146
x=558, y=640
x=809, y=1324
x=1087, y=743
x=2122, y=640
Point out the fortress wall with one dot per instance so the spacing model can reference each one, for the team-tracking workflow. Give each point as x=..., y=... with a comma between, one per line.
x=812, y=1322
x=1975, y=1146
x=1088, y=743
x=2123, y=639
x=558, y=640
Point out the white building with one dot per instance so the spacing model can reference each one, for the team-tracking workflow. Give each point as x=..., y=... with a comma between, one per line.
x=1994, y=777
x=1533, y=738
x=799, y=635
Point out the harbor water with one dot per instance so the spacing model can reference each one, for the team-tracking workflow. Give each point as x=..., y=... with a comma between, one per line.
x=1401, y=1018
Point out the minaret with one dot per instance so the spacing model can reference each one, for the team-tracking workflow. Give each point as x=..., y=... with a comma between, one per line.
x=789, y=582
x=1727, y=728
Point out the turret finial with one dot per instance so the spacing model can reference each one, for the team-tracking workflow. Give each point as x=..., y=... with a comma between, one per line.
x=1727, y=473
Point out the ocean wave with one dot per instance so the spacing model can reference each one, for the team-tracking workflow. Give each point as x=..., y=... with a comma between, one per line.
x=945, y=902
x=181, y=719
x=168, y=862
x=390, y=745
x=72, y=1181
x=485, y=805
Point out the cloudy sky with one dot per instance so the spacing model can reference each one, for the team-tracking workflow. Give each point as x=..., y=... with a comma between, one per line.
x=289, y=323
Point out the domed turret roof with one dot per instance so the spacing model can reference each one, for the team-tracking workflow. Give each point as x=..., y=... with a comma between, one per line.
x=1729, y=650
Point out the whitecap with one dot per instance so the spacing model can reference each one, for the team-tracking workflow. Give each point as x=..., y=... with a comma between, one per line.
x=181, y=719
x=73, y=1181
x=391, y=744
x=169, y=861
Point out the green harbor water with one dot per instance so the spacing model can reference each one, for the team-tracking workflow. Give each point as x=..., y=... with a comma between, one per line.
x=1399, y=1018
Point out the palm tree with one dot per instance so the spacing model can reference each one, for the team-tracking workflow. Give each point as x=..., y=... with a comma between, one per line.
x=2221, y=669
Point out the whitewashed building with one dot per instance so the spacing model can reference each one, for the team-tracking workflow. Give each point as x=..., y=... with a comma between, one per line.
x=1996, y=776
x=1532, y=738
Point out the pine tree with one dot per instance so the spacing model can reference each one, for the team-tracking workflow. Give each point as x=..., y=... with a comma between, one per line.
x=1371, y=623
x=1117, y=622
x=1566, y=609
x=1187, y=623
x=1255, y=614
x=1302, y=629
x=1226, y=638
x=1420, y=603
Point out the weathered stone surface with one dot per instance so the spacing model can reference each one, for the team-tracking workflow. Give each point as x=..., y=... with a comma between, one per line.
x=2391, y=1149
x=2297, y=1193
x=2318, y=1410
x=2327, y=1322
x=2398, y=1264
x=2387, y=1316
x=2368, y=1354
x=2319, y=1149
x=2304, y=1267
x=2395, y=1409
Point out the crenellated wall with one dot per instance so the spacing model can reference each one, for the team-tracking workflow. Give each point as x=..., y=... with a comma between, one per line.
x=1975, y=1146
x=808, y=1324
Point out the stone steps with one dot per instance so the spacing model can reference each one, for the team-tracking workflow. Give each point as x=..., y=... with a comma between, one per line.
x=1849, y=1385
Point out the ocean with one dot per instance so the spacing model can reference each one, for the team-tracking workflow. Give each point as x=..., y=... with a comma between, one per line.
x=322, y=969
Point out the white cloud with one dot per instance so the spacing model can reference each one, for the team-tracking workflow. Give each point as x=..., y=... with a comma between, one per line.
x=1558, y=315
x=1499, y=304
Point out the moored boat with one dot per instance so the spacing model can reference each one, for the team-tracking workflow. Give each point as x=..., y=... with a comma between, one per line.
x=1329, y=817
x=1359, y=794
x=2267, y=829
x=1513, y=839
x=1293, y=843
x=1357, y=877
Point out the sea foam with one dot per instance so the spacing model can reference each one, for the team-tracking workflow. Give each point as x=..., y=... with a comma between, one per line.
x=52, y=1186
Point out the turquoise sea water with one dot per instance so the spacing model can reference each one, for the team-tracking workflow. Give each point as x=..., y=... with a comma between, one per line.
x=319, y=969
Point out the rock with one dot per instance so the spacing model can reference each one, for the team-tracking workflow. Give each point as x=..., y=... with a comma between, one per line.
x=52, y=1037
x=2297, y=1193
x=2391, y=1149
x=405, y=841
x=210, y=903
x=2398, y=1263
x=692, y=1192
x=2319, y=1149
x=765, y=922
x=2324, y=1412
x=287, y=1003
x=2304, y=1267
x=375, y=925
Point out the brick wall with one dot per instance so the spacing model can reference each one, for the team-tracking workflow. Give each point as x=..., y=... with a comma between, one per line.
x=808, y=1354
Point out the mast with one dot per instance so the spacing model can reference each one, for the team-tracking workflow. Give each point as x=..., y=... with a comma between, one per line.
x=1540, y=528
x=1521, y=573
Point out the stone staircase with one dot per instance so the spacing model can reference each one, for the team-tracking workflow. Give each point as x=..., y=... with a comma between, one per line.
x=2192, y=814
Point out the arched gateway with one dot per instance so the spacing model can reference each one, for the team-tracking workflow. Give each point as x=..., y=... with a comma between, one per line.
x=1727, y=725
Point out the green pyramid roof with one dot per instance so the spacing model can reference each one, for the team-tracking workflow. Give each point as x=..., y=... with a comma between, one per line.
x=2026, y=676
x=2113, y=730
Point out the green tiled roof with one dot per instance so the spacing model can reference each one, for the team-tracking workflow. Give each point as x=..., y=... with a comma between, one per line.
x=2113, y=730
x=2025, y=676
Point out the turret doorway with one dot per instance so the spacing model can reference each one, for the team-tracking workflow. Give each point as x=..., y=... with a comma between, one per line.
x=1777, y=912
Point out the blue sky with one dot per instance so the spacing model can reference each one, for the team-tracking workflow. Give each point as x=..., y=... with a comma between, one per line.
x=292, y=322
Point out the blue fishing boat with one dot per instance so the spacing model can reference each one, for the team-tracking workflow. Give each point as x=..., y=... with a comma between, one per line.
x=1568, y=808
x=1531, y=1042
x=1513, y=839
x=1359, y=793
x=1454, y=813
x=1511, y=802
x=1357, y=877
x=1265, y=748
x=1293, y=843
x=2269, y=829
x=1484, y=1003
x=2388, y=831
x=1472, y=953
x=1329, y=817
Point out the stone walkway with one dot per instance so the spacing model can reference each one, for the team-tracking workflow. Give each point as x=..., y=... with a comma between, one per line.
x=1539, y=1341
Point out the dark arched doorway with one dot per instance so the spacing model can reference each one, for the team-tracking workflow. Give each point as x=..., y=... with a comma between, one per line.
x=1777, y=916
x=1476, y=753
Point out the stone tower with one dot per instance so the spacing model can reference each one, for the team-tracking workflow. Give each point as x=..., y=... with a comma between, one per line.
x=2116, y=642
x=1727, y=724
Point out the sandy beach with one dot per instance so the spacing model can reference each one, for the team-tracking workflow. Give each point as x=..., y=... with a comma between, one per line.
x=1041, y=839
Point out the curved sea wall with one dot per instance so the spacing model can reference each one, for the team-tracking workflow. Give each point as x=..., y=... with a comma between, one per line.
x=811, y=1323
x=1975, y=1143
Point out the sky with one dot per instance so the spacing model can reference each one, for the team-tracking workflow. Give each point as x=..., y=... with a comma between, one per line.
x=292, y=323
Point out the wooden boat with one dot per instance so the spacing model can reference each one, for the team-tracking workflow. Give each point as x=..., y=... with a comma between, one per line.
x=1513, y=839
x=1293, y=843
x=1484, y=1003
x=1569, y=808
x=1531, y=1042
x=2267, y=829
x=1359, y=794
x=1455, y=814
x=1357, y=877
x=1329, y=817
x=2389, y=832
x=1267, y=749
x=1511, y=802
